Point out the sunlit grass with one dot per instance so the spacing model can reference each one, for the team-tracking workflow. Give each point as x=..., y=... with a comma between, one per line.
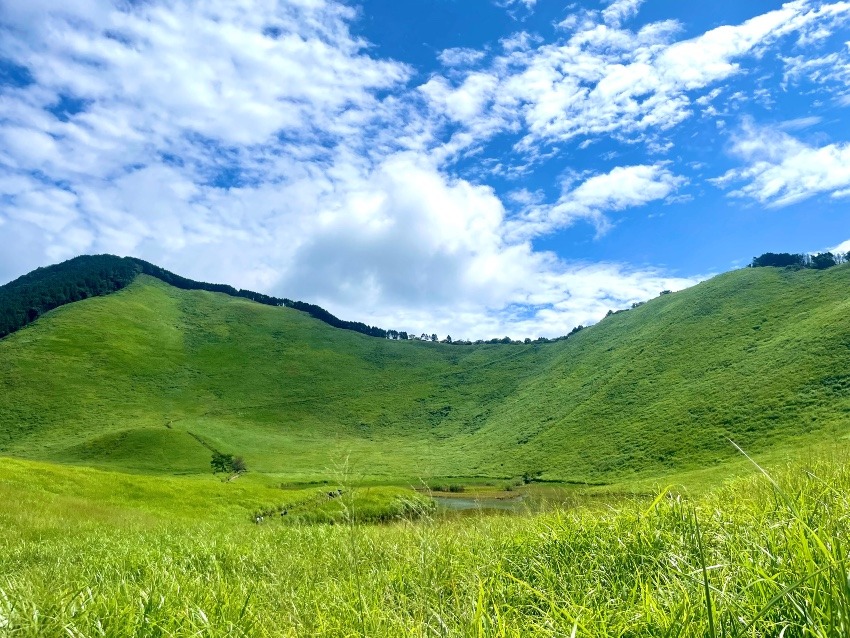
x=152, y=380
x=751, y=558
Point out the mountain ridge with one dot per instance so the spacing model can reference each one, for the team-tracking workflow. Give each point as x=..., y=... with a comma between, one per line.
x=132, y=380
x=26, y=298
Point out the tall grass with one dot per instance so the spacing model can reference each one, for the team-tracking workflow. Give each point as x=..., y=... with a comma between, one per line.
x=757, y=557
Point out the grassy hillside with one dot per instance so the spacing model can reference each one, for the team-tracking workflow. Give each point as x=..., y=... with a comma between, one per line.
x=151, y=379
x=759, y=356
x=101, y=380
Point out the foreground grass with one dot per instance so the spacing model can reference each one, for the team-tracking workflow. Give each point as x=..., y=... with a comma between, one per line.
x=748, y=559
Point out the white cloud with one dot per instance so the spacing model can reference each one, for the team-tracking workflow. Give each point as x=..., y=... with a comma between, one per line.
x=509, y=4
x=782, y=170
x=466, y=102
x=460, y=56
x=27, y=148
x=520, y=41
x=620, y=10
x=819, y=23
x=621, y=188
x=830, y=72
x=696, y=63
x=604, y=80
x=800, y=123
x=292, y=67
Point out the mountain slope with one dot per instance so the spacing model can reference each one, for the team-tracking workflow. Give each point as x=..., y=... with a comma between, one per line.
x=285, y=390
x=26, y=298
x=758, y=356
x=153, y=378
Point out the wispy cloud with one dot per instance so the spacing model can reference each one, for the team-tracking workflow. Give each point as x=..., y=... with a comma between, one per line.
x=607, y=80
x=621, y=10
x=831, y=73
x=782, y=170
x=528, y=5
x=800, y=123
x=596, y=197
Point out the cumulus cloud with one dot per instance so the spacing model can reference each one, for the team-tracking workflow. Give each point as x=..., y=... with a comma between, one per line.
x=782, y=170
x=465, y=103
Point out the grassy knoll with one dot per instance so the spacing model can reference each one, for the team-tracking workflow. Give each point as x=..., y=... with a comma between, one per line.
x=151, y=379
x=57, y=492
x=173, y=557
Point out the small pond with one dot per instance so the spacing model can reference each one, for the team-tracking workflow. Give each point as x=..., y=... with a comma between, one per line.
x=467, y=503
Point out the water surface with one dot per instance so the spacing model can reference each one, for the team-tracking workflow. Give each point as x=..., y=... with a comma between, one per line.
x=469, y=503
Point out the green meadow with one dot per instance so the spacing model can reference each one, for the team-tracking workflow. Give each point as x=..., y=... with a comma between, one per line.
x=94, y=553
x=637, y=511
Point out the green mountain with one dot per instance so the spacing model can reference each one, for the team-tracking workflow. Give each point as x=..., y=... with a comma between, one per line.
x=154, y=378
x=25, y=299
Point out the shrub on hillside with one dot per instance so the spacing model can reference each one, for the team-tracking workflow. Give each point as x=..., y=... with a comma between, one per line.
x=227, y=464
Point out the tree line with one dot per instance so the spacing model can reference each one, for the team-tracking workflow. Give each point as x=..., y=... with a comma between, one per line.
x=25, y=299
x=392, y=334
x=820, y=261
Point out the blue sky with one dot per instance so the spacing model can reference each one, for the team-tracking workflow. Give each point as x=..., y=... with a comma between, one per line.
x=466, y=167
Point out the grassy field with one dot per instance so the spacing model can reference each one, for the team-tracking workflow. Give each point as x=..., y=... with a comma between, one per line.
x=152, y=379
x=755, y=556
x=643, y=519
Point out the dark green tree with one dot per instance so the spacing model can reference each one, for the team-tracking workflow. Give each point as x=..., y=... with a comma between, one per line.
x=221, y=463
x=823, y=261
x=228, y=464
x=238, y=465
x=779, y=260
